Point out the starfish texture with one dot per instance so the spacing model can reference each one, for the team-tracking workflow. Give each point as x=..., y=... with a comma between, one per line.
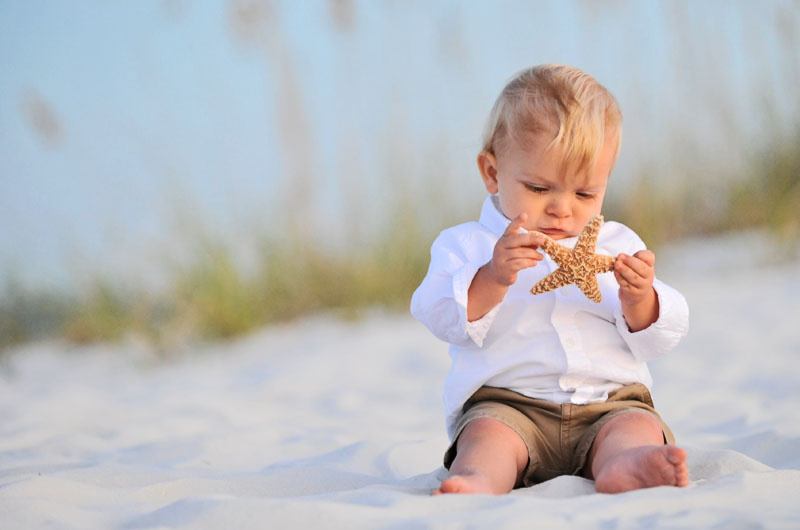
x=578, y=265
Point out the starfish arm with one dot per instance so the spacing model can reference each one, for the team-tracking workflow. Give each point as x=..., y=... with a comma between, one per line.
x=588, y=237
x=559, y=253
x=552, y=281
x=601, y=263
x=590, y=288
x=578, y=265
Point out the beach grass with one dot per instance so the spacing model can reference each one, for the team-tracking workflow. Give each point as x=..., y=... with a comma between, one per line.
x=763, y=194
x=210, y=297
x=771, y=199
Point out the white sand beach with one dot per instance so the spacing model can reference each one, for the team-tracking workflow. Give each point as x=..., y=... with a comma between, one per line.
x=325, y=423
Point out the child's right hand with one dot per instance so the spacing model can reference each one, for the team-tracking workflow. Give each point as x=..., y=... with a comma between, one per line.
x=513, y=252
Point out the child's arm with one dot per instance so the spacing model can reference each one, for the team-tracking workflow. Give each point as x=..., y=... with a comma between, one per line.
x=635, y=275
x=512, y=253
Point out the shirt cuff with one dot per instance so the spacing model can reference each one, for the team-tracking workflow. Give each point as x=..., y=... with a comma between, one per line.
x=662, y=335
x=477, y=329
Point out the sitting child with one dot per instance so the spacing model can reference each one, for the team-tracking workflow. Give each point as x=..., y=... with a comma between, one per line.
x=551, y=384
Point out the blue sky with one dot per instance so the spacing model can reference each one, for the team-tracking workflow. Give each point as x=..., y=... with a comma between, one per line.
x=170, y=124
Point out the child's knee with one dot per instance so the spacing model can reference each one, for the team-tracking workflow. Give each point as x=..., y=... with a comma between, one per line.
x=492, y=428
x=495, y=433
x=634, y=422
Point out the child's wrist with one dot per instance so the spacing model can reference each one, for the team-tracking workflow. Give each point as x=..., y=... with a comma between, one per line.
x=642, y=311
x=484, y=293
x=495, y=276
x=647, y=296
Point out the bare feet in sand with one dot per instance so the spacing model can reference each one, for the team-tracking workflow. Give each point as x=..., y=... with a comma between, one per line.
x=635, y=468
x=643, y=467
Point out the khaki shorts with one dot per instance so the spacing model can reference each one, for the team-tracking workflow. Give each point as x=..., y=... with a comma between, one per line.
x=558, y=436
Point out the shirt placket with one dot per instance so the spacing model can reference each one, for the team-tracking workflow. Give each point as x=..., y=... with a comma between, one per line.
x=563, y=320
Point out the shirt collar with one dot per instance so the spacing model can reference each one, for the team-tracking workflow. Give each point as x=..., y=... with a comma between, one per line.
x=491, y=217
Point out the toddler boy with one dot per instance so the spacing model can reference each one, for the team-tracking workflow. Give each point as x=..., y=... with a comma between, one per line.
x=552, y=384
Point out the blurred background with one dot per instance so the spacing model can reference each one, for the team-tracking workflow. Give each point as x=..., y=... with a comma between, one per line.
x=173, y=170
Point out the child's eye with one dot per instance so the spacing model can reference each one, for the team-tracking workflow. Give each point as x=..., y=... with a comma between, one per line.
x=536, y=189
x=585, y=195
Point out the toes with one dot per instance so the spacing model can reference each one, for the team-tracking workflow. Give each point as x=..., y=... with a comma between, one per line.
x=675, y=455
x=465, y=484
x=450, y=485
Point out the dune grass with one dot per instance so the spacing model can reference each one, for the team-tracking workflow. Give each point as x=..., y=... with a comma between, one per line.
x=212, y=298
x=773, y=199
x=765, y=194
x=26, y=314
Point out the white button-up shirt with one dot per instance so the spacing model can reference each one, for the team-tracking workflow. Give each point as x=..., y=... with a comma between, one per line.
x=559, y=346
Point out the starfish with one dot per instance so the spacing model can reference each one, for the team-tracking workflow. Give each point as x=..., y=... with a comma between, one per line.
x=578, y=265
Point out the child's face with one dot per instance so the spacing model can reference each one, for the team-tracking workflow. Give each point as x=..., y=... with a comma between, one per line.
x=558, y=203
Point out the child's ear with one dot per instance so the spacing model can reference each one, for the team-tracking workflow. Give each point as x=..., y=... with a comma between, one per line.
x=487, y=164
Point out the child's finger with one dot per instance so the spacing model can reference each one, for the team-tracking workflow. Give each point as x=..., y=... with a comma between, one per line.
x=623, y=283
x=635, y=264
x=516, y=224
x=623, y=272
x=528, y=253
x=528, y=239
x=523, y=263
x=647, y=256
x=522, y=252
x=535, y=239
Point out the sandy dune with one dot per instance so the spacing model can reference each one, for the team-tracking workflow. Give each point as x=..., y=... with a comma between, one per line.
x=329, y=424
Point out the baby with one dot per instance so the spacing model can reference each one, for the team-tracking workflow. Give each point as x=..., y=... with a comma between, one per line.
x=552, y=384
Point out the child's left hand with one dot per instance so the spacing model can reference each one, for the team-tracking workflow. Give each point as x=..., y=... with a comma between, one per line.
x=635, y=275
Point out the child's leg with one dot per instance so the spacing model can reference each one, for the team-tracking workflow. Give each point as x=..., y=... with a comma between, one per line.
x=490, y=459
x=629, y=453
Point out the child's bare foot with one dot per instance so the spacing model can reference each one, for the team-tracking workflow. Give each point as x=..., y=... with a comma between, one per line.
x=472, y=483
x=643, y=467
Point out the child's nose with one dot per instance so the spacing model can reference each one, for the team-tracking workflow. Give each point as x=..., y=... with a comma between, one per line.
x=558, y=206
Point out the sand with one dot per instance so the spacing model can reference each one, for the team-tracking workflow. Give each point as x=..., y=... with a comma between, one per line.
x=332, y=424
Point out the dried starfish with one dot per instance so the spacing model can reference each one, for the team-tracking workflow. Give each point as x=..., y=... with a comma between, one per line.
x=578, y=265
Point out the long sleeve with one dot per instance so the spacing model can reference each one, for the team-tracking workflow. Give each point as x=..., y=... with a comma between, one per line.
x=664, y=334
x=440, y=302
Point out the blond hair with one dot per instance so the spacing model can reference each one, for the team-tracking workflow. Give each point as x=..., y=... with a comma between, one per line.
x=560, y=100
